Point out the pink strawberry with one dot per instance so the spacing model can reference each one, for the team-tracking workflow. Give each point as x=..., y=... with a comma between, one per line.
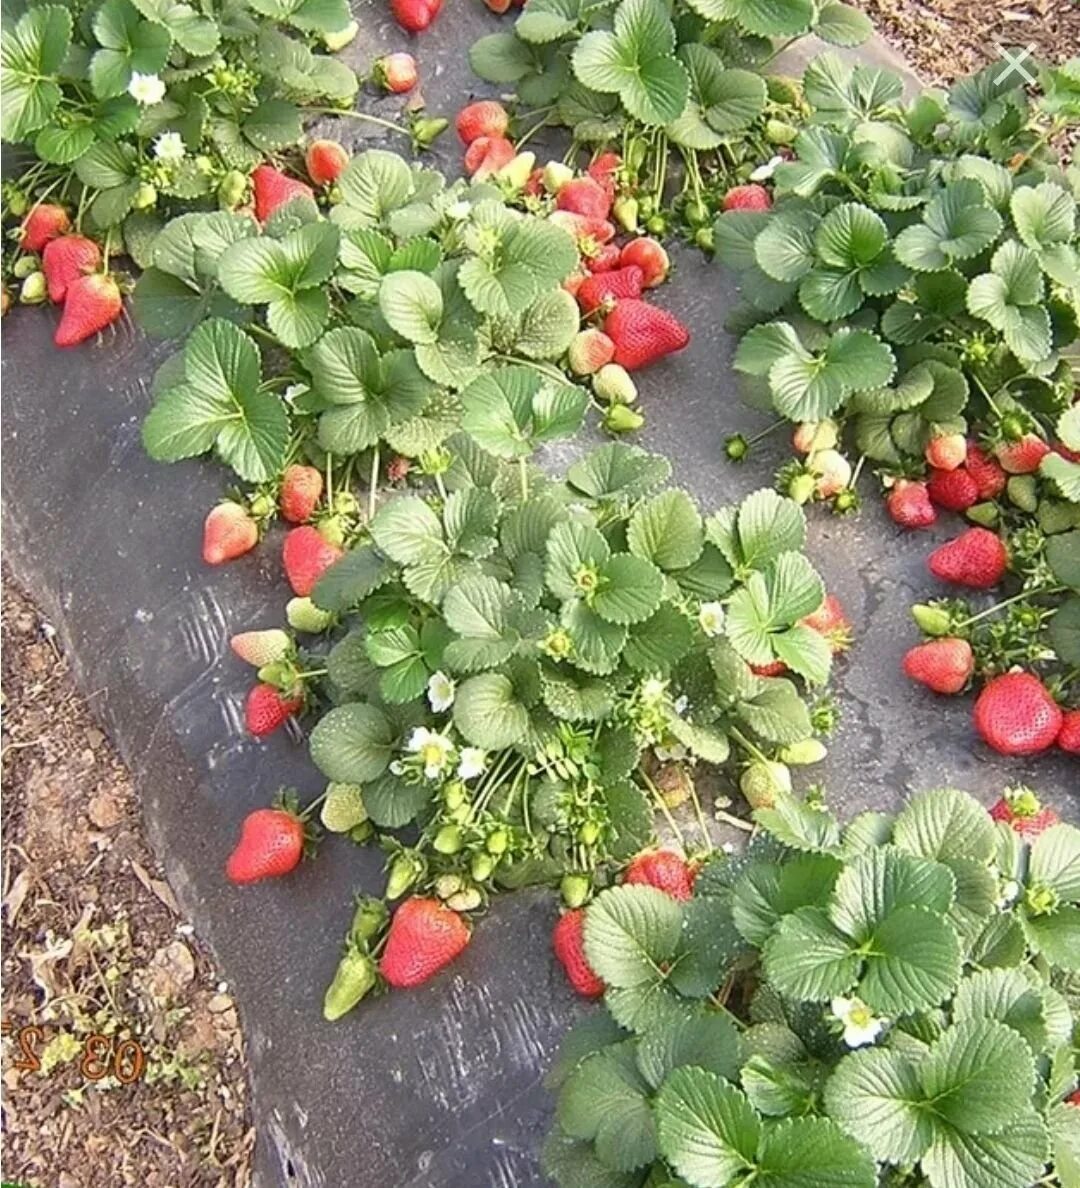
x=589, y=351
x=589, y=232
x=944, y=665
x=650, y=257
x=643, y=334
x=267, y=708
x=947, y=451
x=259, y=648
x=1023, y=456
x=605, y=288
x=1015, y=715
x=91, y=303
x=301, y=489
x=606, y=259
x=748, y=197
x=989, y=477
x=955, y=490
x=325, y=161
x=397, y=468
x=604, y=170
x=487, y=155
x=424, y=936
x=663, y=869
x=585, y=197
x=977, y=558
x=44, y=222
x=831, y=621
x=271, y=844
x=414, y=16
x=272, y=189
x=482, y=118
x=1068, y=738
x=229, y=532
x=908, y=503
x=774, y=668
x=568, y=941
x=1023, y=812
x=307, y=556
x=396, y=73
x=65, y=259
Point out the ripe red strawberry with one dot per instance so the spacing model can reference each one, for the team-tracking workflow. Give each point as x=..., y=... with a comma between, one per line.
x=414, y=16
x=267, y=708
x=396, y=73
x=301, y=488
x=273, y=189
x=568, y=941
x=584, y=196
x=485, y=117
x=271, y=844
x=589, y=351
x=908, y=503
x=228, y=532
x=306, y=556
x=748, y=197
x=643, y=334
x=607, y=259
x=1023, y=456
x=605, y=288
x=977, y=558
x=946, y=452
x=498, y=7
x=1022, y=810
x=44, y=222
x=830, y=621
x=1068, y=738
x=604, y=169
x=487, y=155
x=325, y=161
x=955, y=490
x=944, y=665
x=650, y=257
x=424, y=936
x=1073, y=1099
x=258, y=648
x=1015, y=714
x=774, y=668
x=989, y=477
x=663, y=869
x=65, y=259
x=91, y=304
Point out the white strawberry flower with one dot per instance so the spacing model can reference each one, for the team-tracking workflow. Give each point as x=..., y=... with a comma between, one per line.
x=652, y=690
x=711, y=618
x=293, y=392
x=169, y=147
x=472, y=763
x=440, y=692
x=146, y=89
x=764, y=172
x=1008, y=894
x=861, y=1025
x=435, y=750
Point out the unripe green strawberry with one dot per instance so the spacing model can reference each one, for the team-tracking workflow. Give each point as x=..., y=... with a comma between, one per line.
x=804, y=752
x=705, y=238
x=932, y=620
x=481, y=867
x=333, y=530
x=780, y=132
x=497, y=842
x=26, y=265
x=556, y=175
x=801, y=488
x=614, y=384
x=339, y=40
x=621, y=418
x=625, y=211
x=762, y=781
x=447, y=885
x=361, y=833
x=343, y=807
x=575, y=889
x=427, y=129
x=355, y=976
x=145, y=197
x=588, y=833
x=368, y=920
x=696, y=213
x=260, y=648
x=985, y=514
x=1023, y=491
x=405, y=869
x=448, y=840
x=465, y=901
x=454, y=794
x=346, y=503
x=303, y=615
x=783, y=89
x=656, y=225
x=34, y=289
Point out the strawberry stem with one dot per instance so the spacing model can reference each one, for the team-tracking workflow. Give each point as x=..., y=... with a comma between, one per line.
x=362, y=115
x=373, y=487
x=1008, y=602
x=661, y=804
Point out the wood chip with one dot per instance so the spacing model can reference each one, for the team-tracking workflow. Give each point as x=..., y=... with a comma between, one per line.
x=156, y=887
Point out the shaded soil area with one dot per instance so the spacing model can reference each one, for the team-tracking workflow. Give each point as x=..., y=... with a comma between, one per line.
x=122, y=1055
x=944, y=39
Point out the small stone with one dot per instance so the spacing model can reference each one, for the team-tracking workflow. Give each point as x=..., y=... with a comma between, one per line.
x=105, y=809
x=219, y=1003
x=171, y=968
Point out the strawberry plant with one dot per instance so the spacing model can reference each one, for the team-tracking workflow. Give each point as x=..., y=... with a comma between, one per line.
x=518, y=663
x=659, y=82
x=890, y=1002
x=913, y=296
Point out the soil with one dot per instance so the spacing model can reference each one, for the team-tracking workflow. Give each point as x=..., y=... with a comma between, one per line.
x=94, y=945
x=944, y=39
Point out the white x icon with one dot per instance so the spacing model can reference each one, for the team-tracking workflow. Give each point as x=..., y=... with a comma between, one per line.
x=1015, y=64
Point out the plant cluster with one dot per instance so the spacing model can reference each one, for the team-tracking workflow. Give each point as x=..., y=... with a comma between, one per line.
x=890, y=1002
x=518, y=664
x=912, y=295
x=658, y=80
